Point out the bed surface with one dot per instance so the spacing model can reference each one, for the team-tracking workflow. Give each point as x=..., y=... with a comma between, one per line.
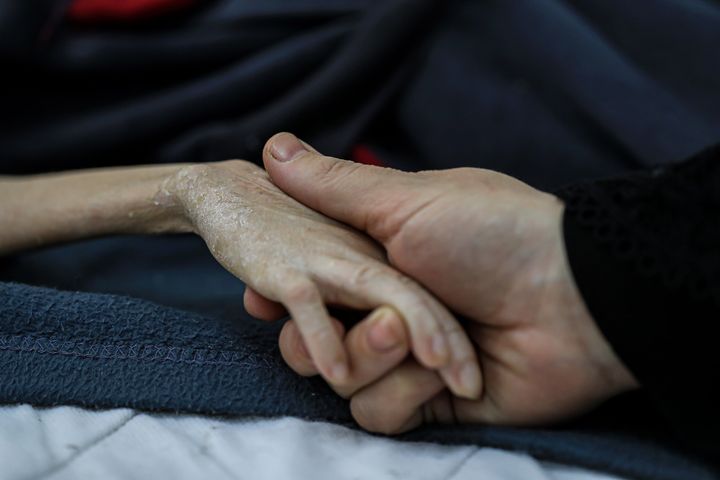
x=72, y=443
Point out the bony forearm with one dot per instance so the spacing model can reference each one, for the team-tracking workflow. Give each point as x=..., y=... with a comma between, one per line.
x=51, y=208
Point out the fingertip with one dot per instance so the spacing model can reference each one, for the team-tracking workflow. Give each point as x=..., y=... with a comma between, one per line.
x=432, y=351
x=268, y=159
x=340, y=373
x=386, y=330
x=260, y=307
x=465, y=371
x=283, y=147
x=330, y=355
x=464, y=380
x=267, y=148
x=294, y=352
x=471, y=380
x=439, y=347
x=335, y=369
x=269, y=142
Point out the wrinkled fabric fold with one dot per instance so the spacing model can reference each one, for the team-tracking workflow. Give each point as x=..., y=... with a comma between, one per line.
x=548, y=91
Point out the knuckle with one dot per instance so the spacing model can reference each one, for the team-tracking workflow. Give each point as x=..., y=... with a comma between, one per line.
x=403, y=282
x=334, y=172
x=363, y=275
x=322, y=335
x=301, y=292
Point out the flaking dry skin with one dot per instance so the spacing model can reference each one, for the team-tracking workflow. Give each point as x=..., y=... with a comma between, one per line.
x=259, y=233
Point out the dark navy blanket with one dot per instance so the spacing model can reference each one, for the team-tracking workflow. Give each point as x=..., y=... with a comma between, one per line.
x=547, y=90
x=550, y=91
x=170, y=334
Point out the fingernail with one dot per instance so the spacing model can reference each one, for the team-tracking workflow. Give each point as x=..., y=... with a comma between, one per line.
x=440, y=346
x=383, y=335
x=339, y=372
x=285, y=147
x=470, y=379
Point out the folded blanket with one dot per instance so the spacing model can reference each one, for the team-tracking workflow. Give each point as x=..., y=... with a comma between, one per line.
x=547, y=90
x=114, y=350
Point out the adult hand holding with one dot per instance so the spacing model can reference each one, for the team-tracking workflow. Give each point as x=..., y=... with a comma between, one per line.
x=491, y=248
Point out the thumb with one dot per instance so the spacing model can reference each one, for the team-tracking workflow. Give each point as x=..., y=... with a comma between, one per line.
x=367, y=197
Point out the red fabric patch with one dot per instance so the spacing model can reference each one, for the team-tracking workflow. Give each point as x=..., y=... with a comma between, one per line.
x=363, y=154
x=91, y=11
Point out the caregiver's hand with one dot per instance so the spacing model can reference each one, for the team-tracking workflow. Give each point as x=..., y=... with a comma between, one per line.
x=491, y=248
x=292, y=255
x=388, y=392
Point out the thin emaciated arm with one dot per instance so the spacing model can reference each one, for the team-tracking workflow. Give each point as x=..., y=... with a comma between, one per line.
x=283, y=250
x=38, y=210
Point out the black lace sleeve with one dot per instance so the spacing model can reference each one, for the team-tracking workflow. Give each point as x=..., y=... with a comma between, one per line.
x=645, y=252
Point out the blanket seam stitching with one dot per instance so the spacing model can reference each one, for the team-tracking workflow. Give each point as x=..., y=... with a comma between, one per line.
x=131, y=351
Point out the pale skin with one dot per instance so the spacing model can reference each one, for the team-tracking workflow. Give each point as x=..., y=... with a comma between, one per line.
x=284, y=251
x=488, y=246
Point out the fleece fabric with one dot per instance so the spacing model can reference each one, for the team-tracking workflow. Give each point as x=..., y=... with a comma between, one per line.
x=170, y=334
x=549, y=91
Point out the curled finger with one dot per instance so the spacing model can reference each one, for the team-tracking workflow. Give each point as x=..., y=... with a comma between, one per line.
x=260, y=307
x=306, y=306
x=437, y=339
x=294, y=351
x=394, y=403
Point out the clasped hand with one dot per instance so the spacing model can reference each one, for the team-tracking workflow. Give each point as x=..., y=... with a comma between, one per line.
x=470, y=241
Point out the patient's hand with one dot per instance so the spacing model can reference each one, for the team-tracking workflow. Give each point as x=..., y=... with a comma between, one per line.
x=293, y=255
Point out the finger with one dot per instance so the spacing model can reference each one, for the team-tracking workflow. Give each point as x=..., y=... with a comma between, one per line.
x=294, y=352
x=262, y=308
x=394, y=403
x=487, y=411
x=437, y=339
x=369, y=198
x=375, y=346
x=305, y=304
x=463, y=374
